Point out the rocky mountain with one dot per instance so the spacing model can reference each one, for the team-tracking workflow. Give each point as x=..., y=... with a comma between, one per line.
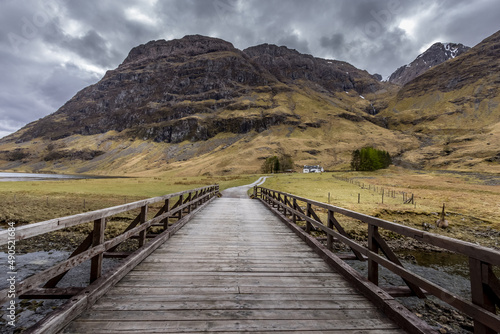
x=197, y=90
x=454, y=109
x=198, y=105
x=438, y=53
x=170, y=91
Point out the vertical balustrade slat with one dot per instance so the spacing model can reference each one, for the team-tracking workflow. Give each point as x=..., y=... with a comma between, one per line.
x=97, y=239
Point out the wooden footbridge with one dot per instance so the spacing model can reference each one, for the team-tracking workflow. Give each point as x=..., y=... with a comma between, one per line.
x=244, y=265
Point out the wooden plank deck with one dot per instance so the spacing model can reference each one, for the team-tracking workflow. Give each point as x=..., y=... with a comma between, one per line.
x=235, y=267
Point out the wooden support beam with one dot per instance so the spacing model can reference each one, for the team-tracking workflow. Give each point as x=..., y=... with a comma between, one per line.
x=97, y=239
x=187, y=200
x=399, y=291
x=51, y=293
x=384, y=247
x=86, y=243
x=116, y=255
x=341, y=230
x=129, y=227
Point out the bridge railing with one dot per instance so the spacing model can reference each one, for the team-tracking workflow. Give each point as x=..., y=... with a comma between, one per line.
x=177, y=208
x=485, y=286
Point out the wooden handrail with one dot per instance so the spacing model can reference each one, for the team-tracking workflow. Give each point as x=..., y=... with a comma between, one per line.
x=32, y=230
x=484, y=283
x=99, y=246
x=458, y=246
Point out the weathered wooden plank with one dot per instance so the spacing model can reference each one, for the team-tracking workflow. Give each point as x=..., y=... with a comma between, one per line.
x=225, y=275
x=216, y=297
x=226, y=325
x=231, y=314
x=179, y=304
x=347, y=331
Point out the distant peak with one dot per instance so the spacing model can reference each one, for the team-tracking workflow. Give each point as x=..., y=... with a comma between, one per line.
x=436, y=54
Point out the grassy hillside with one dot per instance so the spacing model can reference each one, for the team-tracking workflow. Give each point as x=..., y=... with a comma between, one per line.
x=327, y=129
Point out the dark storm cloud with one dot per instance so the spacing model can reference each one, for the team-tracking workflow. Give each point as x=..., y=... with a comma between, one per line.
x=50, y=49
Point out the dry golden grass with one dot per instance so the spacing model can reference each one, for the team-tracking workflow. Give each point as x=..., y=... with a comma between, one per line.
x=472, y=206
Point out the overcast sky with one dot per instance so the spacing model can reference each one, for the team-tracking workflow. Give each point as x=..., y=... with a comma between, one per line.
x=50, y=49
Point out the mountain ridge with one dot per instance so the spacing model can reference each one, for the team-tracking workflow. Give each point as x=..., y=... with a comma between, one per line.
x=200, y=105
x=433, y=56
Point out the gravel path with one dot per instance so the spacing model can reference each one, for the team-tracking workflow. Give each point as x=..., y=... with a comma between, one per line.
x=241, y=191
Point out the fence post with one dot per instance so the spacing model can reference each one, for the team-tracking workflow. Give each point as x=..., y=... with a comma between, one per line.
x=97, y=239
x=143, y=218
x=479, y=272
x=373, y=246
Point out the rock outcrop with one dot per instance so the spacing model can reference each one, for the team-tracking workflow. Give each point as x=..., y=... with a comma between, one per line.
x=175, y=90
x=437, y=54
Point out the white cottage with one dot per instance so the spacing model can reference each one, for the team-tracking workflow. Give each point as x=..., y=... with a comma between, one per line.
x=313, y=169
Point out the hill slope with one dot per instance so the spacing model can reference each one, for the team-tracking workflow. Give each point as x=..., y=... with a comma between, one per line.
x=454, y=108
x=203, y=105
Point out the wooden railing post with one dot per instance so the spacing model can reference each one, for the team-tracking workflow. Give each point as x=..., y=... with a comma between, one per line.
x=373, y=246
x=97, y=239
x=329, y=237
x=294, y=216
x=167, y=209
x=181, y=200
x=142, y=220
x=479, y=273
x=285, y=211
x=308, y=213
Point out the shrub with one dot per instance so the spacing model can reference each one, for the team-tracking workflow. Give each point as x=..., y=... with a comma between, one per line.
x=276, y=164
x=369, y=159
